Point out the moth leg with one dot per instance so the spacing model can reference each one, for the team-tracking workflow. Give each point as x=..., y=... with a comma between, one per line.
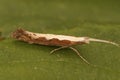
x=75, y=50
x=58, y=49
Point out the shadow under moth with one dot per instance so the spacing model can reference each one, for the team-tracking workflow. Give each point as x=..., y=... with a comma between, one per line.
x=1, y=38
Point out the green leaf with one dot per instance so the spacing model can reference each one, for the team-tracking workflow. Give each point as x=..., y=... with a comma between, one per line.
x=97, y=19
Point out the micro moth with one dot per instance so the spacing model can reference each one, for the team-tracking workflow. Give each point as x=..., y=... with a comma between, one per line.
x=62, y=41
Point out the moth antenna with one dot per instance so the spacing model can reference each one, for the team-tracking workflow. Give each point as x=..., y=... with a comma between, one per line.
x=104, y=41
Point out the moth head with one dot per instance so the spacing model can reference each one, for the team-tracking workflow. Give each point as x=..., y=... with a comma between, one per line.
x=18, y=33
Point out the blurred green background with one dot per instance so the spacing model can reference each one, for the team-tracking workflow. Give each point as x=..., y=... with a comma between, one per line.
x=93, y=18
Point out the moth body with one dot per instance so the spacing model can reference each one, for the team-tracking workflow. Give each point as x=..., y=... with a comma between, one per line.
x=48, y=39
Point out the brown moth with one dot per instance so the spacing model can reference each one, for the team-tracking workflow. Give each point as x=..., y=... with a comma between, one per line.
x=62, y=41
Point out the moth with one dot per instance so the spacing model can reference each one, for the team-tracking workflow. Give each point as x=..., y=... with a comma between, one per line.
x=62, y=41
